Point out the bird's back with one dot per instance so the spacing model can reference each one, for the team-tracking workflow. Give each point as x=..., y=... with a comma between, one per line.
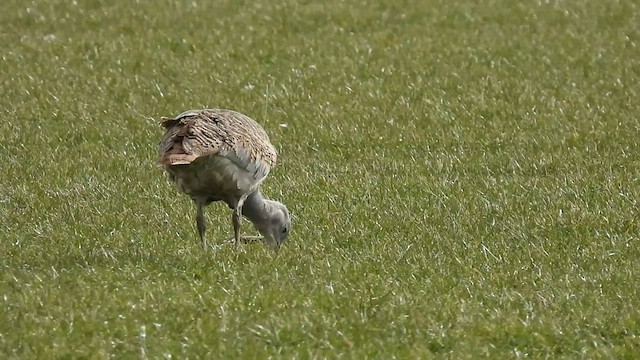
x=215, y=154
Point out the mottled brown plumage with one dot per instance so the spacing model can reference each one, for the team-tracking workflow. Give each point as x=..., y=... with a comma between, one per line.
x=223, y=155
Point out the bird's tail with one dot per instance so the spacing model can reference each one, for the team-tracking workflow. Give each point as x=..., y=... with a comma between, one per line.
x=168, y=122
x=172, y=151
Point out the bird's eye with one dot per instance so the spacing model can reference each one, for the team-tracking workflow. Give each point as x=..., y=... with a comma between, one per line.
x=284, y=230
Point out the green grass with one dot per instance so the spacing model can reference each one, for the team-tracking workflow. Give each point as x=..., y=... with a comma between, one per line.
x=464, y=179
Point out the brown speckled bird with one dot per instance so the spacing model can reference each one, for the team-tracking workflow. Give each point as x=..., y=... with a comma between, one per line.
x=223, y=155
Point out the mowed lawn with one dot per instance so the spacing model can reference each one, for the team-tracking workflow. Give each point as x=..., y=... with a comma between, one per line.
x=463, y=177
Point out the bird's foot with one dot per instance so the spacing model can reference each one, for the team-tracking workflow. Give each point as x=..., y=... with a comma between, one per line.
x=246, y=239
x=216, y=247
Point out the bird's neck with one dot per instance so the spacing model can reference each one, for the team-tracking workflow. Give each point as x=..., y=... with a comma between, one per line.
x=255, y=208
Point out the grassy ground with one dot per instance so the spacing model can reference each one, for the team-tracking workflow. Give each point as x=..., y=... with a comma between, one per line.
x=464, y=179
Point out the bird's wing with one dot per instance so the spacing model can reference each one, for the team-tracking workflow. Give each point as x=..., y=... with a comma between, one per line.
x=198, y=133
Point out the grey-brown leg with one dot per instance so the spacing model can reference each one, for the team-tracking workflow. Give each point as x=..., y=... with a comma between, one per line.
x=237, y=221
x=201, y=225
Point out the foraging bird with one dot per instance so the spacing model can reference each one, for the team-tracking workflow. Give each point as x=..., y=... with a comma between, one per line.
x=223, y=155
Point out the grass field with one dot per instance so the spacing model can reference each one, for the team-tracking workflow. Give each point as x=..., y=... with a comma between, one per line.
x=464, y=179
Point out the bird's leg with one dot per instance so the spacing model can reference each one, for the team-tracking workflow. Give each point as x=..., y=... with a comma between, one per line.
x=237, y=220
x=201, y=224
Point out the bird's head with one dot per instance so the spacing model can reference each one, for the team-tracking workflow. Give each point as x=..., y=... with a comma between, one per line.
x=275, y=229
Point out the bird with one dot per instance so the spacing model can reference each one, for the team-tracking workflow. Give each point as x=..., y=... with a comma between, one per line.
x=223, y=155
